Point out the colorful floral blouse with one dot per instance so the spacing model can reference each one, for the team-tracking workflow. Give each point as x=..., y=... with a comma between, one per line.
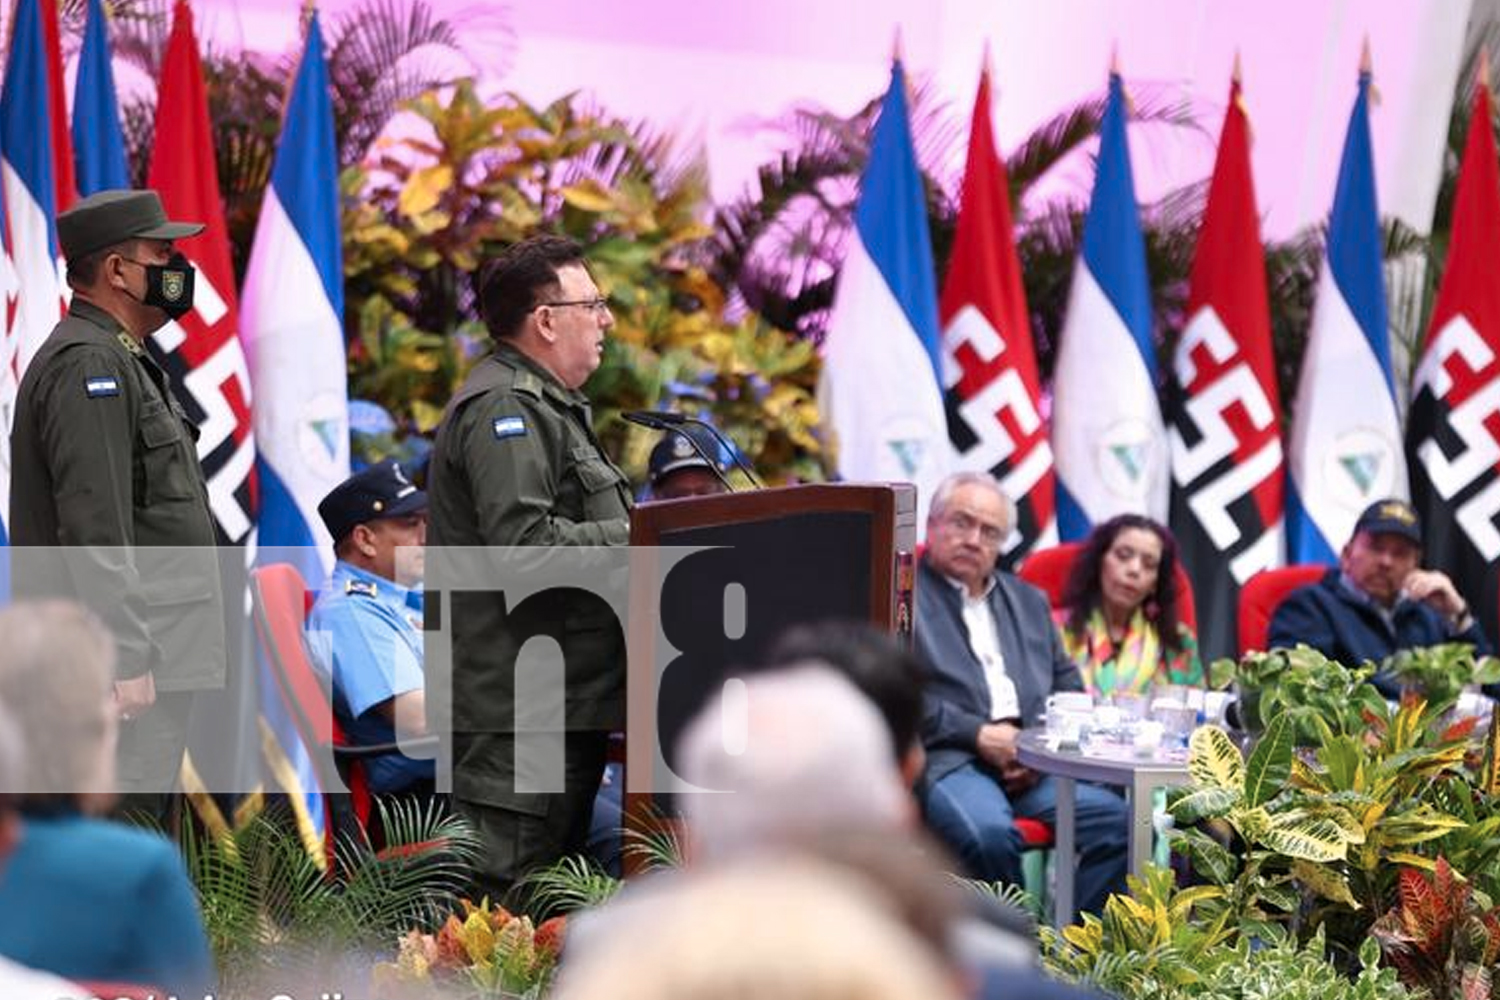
x=1138, y=663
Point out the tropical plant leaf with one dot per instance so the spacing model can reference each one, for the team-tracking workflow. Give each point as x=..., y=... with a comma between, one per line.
x=1299, y=835
x=572, y=883
x=1270, y=763
x=1214, y=761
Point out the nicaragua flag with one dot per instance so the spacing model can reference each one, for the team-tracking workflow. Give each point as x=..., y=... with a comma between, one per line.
x=882, y=370
x=291, y=322
x=1107, y=431
x=36, y=182
x=992, y=392
x=98, y=145
x=1345, y=449
x=1452, y=436
x=1223, y=404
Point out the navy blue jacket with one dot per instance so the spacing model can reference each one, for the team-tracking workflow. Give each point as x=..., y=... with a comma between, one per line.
x=957, y=697
x=1346, y=627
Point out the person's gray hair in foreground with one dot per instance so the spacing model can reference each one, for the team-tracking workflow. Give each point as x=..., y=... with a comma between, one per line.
x=801, y=750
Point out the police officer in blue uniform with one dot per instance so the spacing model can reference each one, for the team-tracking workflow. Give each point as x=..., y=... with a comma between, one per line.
x=365, y=631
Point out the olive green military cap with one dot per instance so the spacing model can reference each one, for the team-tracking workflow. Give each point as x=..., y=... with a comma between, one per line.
x=109, y=217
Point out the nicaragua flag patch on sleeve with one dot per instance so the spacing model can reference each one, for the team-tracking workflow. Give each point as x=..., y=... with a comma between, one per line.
x=101, y=385
x=507, y=427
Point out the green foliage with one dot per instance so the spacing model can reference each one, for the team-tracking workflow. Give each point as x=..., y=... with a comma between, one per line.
x=268, y=907
x=1315, y=692
x=484, y=174
x=569, y=884
x=1440, y=673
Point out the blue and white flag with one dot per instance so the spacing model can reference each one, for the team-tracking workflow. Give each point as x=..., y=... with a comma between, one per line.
x=291, y=321
x=98, y=145
x=1107, y=432
x=881, y=387
x=30, y=282
x=1346, y=446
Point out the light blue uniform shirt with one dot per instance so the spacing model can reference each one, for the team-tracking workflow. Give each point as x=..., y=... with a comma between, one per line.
x=365, y=632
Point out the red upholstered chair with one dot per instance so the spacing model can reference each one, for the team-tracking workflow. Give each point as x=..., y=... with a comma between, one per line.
x=1262, y=593
x=1048, y=569
x=123, y=991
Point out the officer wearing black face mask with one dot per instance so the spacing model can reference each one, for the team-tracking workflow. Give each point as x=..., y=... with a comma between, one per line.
x=104, y=463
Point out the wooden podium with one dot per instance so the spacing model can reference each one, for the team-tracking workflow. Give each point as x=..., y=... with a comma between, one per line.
x=768, y=560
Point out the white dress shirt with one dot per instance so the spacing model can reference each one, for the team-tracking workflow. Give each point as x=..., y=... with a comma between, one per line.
x=984, y=642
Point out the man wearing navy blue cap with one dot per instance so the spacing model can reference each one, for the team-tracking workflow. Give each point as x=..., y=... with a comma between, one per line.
x=1378, y=601
x=365, y=630
x=677, y=469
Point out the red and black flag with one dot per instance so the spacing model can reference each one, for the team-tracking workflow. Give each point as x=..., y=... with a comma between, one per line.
x=1453, y=429
x=990, y=387
x=1223, y=408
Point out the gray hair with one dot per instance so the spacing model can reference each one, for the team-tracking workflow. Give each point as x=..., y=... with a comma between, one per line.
x=57, y=664
x=816, y=755
x=950, y=484
x=12, y=757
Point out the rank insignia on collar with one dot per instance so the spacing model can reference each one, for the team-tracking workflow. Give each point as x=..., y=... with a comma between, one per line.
x=100, y=386
x=129, y=343
x=364, y=587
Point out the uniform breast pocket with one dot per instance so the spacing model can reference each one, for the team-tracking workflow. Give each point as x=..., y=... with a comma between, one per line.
x=598, y=485
x=165, y=454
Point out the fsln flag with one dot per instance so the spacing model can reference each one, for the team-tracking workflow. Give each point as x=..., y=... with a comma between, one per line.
x=1223, y=405
x=990, y=385
x=98, y=145
x=1453, y=430
x=201, y=351
x=292, y=322
x=36, y=183
x=1107, y=429
x=1345, y=448
x=882, y=365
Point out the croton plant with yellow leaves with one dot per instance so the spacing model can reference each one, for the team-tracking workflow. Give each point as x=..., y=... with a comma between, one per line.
x=486, y=953
x=423, y=213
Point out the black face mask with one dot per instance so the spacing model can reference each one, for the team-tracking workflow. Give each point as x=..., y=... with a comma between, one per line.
x=169, y=286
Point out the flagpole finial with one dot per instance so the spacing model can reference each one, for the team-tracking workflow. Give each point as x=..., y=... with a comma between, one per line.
x=987, y=62
x=1237, y=74
x=1366, y=62
x=1484, y=68
x=1114, y=58
x=896, y=46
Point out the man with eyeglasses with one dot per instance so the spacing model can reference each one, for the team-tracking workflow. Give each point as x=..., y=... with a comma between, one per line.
x=516, y=463
x=994, y=656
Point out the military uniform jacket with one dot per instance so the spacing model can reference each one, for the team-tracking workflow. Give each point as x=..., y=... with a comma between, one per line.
x=103, y=465
x=516, y=463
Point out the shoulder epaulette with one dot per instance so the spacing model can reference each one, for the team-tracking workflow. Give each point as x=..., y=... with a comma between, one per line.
x=362, y=587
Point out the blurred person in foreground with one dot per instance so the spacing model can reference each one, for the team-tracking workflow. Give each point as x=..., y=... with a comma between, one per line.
x=18, y=982
x=1119, y=615
x=778, y=929
x=86, y=898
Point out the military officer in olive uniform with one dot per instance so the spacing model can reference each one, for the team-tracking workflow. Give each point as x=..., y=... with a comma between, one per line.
x=516, y=463
x=106, y=482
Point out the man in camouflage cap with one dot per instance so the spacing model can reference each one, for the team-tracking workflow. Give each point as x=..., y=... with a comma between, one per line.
x=106, y=467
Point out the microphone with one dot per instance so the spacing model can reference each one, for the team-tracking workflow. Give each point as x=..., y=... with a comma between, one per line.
x=666, y=420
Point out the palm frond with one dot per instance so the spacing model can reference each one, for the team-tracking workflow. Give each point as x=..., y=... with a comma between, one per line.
x=654, y=844
x=572, y=883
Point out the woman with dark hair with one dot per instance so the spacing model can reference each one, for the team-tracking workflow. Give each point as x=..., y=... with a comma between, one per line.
x=1119, y=610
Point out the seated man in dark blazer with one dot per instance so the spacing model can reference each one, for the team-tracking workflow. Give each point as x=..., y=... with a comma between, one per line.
x=1377, y=601
x=994, y=657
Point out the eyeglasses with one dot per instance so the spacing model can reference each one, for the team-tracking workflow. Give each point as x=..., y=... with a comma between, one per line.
x=598, y=306
x=963, y=525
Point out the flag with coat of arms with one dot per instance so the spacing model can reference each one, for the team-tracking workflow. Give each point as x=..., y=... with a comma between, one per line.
x=1345, y=450
x=880, y=386
x=1107, y=433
